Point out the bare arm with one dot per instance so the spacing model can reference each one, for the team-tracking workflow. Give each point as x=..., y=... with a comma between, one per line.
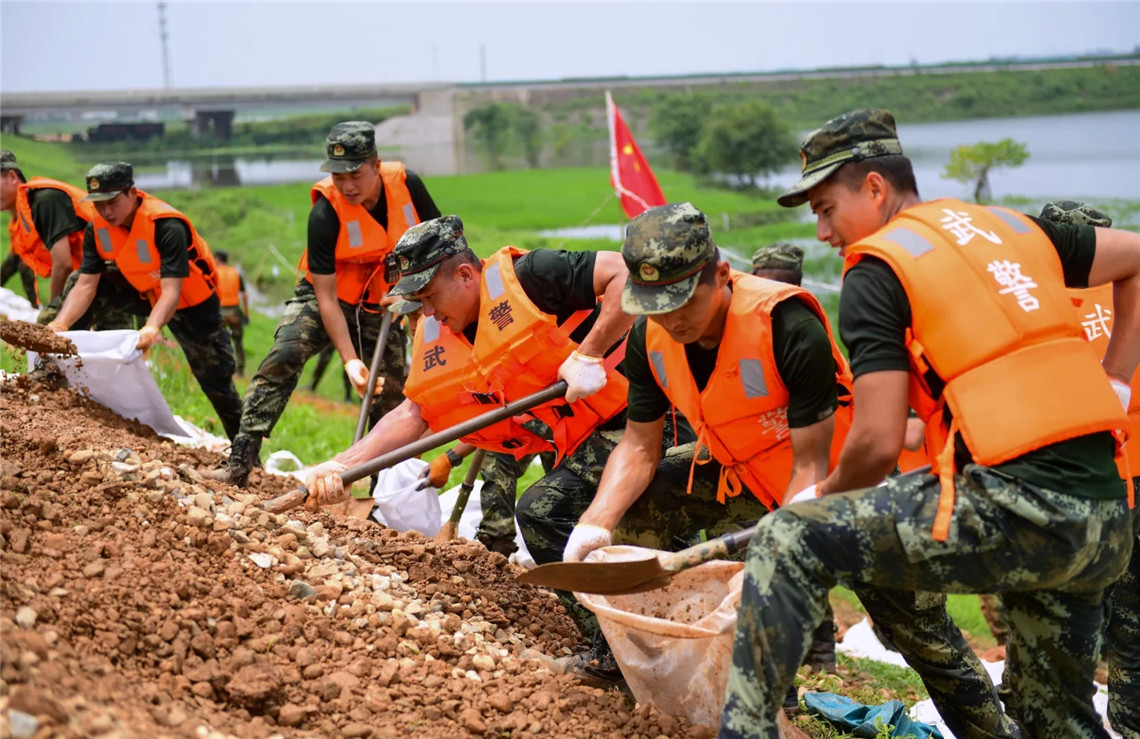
x=811, y=452
x=332, y=317
x=78, y=300
x=60, y=265
x=609, y=279
x=167, y=303
x=1117, y=260
x=245, y=303
x=399, y=427
x=873, y=445
x=628, y=472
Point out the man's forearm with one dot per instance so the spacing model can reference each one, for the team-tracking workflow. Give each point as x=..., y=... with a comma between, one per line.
x=611, y=325
x=861, y=464
x=397, y=428
x=167, y=303
x=332, y=318
x=78, y=300
x=628, y=472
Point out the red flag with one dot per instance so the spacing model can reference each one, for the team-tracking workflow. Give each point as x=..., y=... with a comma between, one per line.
x=630, y=174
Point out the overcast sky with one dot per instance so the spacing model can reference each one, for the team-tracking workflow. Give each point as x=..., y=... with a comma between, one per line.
x=115, y=45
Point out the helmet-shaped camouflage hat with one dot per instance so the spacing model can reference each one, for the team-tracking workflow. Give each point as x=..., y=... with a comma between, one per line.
x=852, y=137
x=8, y=160
x=780, y=255
x=421, y=250
x=665, y=250
x=108, y=179
x=348, y=146
x=403, y=307
x=1076, y=212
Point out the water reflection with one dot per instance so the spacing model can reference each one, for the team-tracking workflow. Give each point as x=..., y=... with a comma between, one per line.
x=227, y=171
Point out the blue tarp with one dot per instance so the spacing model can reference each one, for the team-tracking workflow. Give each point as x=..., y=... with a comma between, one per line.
x=863, y=721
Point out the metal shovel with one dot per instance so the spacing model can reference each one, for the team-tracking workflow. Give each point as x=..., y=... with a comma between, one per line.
x=622, y=578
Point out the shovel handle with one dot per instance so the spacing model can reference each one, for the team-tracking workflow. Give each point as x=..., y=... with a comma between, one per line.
x=718, y=548
x=297, y=497
x=467, y=486
x=377, y=356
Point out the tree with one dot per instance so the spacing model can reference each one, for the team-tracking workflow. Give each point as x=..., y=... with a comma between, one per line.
x=746, y=139
x=527, y=126
x=972, y=163
x=676, y=124
x=490, y=124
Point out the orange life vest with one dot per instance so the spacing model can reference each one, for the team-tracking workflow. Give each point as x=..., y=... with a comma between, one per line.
x=363, y=244
x=518, y=350
x=991, y=317
x=742, y=414
x=1095, y=312
x=136, y=254
x=229, y=285
x=26, y=241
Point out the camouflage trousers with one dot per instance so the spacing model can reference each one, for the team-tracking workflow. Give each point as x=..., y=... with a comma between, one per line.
x=1049, y=554
x=299, y=335
x=13, y=265
x=501, y=474
x=324, y=359
x=117, y=305
x=235, y=323
x=1123, y=643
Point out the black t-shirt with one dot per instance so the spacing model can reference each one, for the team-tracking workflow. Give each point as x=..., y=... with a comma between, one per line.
x=874, y=314
x=324, y=223
x=171, y=237
x=800, y=346
x=53, y=215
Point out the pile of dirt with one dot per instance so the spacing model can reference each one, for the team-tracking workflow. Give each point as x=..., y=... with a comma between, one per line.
x=140, y=601
x=35, y=338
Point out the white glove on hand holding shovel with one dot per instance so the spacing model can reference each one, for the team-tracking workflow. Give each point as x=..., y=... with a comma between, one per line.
x=584, y=376
x=358, y=375
x=1123, y=391
x=584, y=539
x=325, y=485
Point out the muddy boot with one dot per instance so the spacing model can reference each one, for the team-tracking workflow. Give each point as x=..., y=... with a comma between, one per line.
x=821, y=653
x=500, y=544
x=244, y=454
x=596, y=667
x=791, y=702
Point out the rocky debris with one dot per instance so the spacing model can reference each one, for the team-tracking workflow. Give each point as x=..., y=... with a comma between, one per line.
x=36, y=338
x=138, y=601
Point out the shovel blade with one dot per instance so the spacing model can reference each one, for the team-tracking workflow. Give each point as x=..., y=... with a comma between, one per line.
x=602, y=578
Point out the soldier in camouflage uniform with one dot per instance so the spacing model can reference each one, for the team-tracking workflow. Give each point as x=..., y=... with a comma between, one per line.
x=439, y=269
x=186, y=269
x=319, y=313
x=781, y=262
x=1050, y=542
x=1122, y=602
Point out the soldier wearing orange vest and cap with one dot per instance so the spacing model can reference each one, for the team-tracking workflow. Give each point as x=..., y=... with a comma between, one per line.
x=359, y=213
x=235, y=304
x=164, y=271
x=47, y=222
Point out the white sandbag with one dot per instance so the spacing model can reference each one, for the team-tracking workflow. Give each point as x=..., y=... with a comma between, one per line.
x=400, y=506
x=113, y=373
x=16, y=308
x=674, y=644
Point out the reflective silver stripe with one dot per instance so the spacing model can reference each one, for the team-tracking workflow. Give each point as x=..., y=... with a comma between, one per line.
x=410, y=215
x=431, y=330
x=103, y=236
x=494, y=281
x=752, y=377
x=913, y=242
x=355, y=237
x=24, y=220
x=1010, y=220
x=143, y=251
x=658, y=360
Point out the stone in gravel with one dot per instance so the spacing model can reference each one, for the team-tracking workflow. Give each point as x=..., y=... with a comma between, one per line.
x=94, y=569
x=22, y=725
x=301, y=589
x=357, y=731
x=501, y=702
x=291, y=714
x=263, y=560
x=471, y=720
x=26, y=617
x=483, y=662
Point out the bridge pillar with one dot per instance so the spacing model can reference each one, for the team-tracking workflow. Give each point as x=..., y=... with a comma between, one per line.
x=11, y=123
x=218, y=122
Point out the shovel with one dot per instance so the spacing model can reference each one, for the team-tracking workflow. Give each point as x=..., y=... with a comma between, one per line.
x=623, y=578
x=447, y=533
x=377, y=355
x=291, y=500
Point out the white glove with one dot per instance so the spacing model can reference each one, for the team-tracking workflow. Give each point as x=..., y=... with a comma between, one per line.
x=148, y=334
x=808, y=493
x=325, y=485
x=584, y=375
x=1123, y=391
x=584, y=539
x=358, y=375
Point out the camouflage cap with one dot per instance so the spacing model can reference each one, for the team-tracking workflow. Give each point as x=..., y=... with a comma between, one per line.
x=421, y=250
x=106, y=180
x=779, y=256
x=852, y=137
x=1076, y=212
x=8, y=160
x=348, y=146
x=403, y=307
x=665, y=250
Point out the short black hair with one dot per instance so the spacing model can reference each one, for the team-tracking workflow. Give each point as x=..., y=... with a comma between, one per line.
x=222, y=256
x=708, y=272
x=894, y=168
x=452, y=264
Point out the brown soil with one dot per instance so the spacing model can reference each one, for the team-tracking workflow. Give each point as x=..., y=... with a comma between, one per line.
x=139, y=601
x=35, y=338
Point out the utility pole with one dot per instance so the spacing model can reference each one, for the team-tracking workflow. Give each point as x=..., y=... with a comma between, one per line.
x=165, y=52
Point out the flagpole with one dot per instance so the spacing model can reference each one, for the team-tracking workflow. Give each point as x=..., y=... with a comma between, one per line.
x=615, y=175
